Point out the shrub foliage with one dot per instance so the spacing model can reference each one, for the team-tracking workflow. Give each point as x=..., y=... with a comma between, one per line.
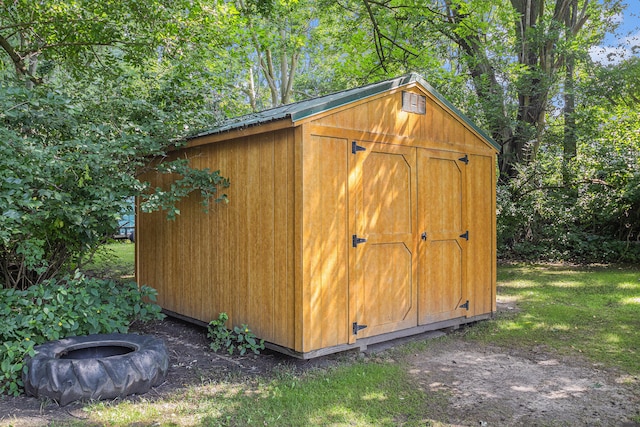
x=594, y=217
x=57, y=309
x=240, y=338
x=70, y=158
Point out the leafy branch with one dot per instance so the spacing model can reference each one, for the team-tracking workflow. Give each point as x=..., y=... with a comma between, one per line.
x=380, y=36
x=189, y=181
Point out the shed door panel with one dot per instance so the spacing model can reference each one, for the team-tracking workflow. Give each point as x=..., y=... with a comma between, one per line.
x=481, y=251
x=442, y=251
x=383, y=269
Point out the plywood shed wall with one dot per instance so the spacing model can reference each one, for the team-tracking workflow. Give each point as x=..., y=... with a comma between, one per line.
x=353, y=218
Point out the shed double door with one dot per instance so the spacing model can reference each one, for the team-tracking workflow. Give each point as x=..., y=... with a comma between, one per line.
x=406, y=264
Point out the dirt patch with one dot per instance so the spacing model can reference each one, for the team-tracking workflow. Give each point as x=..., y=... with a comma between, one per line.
x=493, y=387
x=484, y=385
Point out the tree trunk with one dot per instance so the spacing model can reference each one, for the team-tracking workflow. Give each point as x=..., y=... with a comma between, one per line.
x=252, y=91
x=570, y=150
x=489, y=91
x=533, y=87
x=26, y=69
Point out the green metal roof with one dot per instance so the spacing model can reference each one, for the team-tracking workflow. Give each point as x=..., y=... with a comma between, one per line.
x=303, y=109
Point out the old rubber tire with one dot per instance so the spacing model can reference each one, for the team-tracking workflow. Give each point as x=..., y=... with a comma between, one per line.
x=107, y=366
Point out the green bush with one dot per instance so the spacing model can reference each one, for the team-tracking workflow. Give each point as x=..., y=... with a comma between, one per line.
x=239, y=338
x=69, y=162
x=585, y=209
x=539, y=219
x=73, y=306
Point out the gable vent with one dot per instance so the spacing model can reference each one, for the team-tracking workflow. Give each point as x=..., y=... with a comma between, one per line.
x=414, y=103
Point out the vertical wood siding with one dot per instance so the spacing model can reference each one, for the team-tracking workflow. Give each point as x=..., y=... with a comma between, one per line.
x=238, y=257
x=325, y=242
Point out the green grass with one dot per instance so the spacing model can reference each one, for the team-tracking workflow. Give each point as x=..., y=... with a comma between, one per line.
x=379, y=393
x=114, y=260
x=594, y=312
x=363, y=394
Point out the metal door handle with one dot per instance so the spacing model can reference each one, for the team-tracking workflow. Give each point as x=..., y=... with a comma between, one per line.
x=424, y=236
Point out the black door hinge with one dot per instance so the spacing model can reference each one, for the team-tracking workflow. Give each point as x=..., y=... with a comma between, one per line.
x=355, y=240
x=357, y=328
x=465, y=305
x=464, y=159
x=465, y=235
x=355, y=147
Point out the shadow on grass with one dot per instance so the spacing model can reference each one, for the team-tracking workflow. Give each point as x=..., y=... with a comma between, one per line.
x=589, y=311
x=363, y=394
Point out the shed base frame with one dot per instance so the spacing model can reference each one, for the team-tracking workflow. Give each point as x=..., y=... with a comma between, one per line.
x=362, y=343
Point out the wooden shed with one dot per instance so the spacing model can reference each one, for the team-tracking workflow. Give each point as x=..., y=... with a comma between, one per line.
x=353, y=218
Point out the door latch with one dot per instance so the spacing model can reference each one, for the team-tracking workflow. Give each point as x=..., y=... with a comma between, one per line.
x=423, y=236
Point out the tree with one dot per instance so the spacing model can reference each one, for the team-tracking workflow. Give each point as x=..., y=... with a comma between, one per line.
x=513, y=52
x=596, y=217
x=75, y=32
x=268, y=43
x=609, y=146
x=284, y=51
x=99, y=106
